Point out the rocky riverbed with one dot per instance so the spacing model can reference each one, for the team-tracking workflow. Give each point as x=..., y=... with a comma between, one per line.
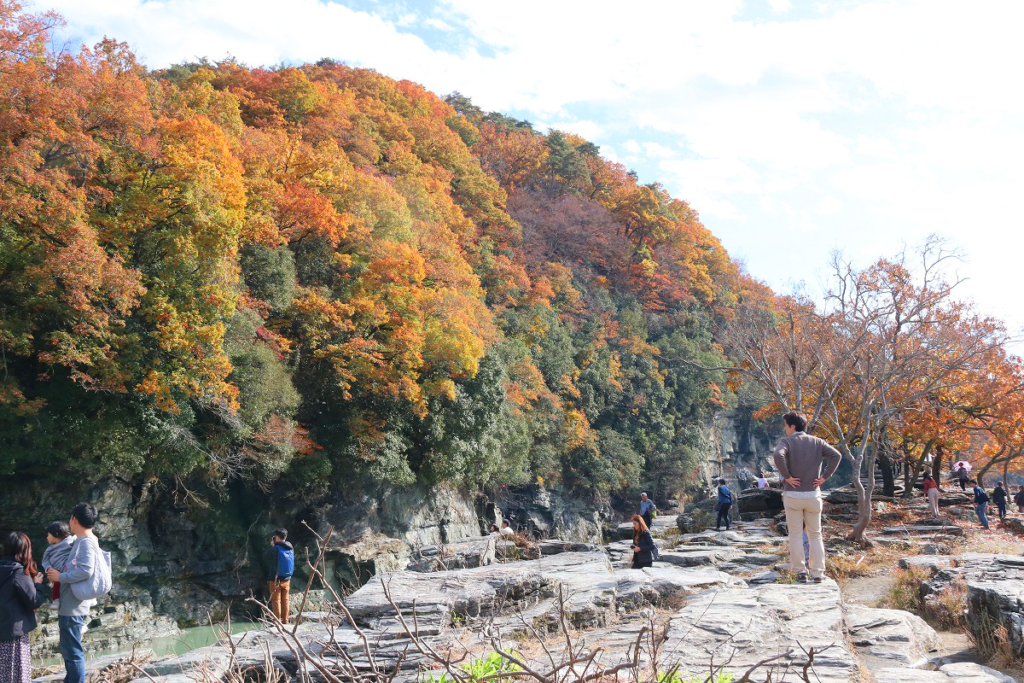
x=714, y=599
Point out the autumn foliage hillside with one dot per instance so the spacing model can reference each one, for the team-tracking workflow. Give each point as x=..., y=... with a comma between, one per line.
x=303, y=276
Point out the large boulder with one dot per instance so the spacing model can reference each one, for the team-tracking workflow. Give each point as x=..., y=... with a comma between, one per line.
x=743, y=626
x=887, y=637
x=766, y=501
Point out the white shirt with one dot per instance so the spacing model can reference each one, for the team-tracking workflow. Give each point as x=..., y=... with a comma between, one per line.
x=762, y=483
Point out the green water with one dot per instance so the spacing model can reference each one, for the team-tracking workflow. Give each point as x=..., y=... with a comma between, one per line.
x=188, y=639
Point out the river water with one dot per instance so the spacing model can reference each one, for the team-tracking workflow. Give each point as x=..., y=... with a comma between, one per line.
x=188, y=639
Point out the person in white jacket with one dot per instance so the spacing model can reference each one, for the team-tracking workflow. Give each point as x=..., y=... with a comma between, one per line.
x=82, y=563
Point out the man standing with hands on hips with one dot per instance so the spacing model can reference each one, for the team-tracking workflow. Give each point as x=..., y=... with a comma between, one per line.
x=799, y=458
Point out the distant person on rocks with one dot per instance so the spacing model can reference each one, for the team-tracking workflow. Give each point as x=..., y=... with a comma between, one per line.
x=723, y=506
x=82, y=566
x=647, y=509
x=800, y=458
x=494, y=530
x=643, y=544
x=980, y=504
x=931, y=492
x=1019, y=499
x=506, y=530
x=762, y=481
x=961, y=473
x=281, y=557
x=20, y=596
x=58, y=535
x=999, y=498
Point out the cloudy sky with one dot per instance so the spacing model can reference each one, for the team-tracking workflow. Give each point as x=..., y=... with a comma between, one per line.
x=795, y=129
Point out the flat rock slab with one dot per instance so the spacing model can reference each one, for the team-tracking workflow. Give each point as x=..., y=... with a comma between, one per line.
x=469, y=552
x=556, y=547
x=888, y=637
x=749, y=624
x=916, y=529
x=759, y=559
x=961, y=672
x=704, y=556
x=478, y=590
x=930, y=562
x=764, y=577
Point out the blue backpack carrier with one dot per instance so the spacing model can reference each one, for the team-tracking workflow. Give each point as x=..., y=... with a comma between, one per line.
x=285, y=563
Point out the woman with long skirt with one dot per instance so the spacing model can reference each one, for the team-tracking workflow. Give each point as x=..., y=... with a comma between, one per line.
x=19, y=599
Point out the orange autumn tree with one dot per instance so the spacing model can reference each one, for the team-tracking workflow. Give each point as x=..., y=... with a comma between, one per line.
x=313, y=275
x=884, y=343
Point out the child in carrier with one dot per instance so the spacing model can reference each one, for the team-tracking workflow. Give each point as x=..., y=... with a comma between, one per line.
x=58, y=535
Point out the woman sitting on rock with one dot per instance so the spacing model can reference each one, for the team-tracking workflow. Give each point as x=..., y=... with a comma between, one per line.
x=643, y=544
x=19, y=600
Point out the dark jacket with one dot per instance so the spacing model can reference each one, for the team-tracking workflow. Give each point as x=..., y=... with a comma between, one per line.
x=999, y=496
x=980, y=496
x=1019, y=498
x=724, y=496
x=18, y=600
x=646, y=545
x=271, y=557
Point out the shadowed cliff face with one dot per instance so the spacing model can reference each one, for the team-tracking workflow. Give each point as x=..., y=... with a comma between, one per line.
x=181, y=558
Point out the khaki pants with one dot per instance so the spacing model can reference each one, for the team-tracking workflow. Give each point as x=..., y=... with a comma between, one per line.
x=279, y=594
x=805, y=514
x=933, y=502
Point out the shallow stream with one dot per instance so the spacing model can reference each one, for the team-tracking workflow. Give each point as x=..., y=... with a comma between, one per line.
x=188, y=639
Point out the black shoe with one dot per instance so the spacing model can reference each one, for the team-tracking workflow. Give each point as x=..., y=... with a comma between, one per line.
x=801, y=577
x=818, y=579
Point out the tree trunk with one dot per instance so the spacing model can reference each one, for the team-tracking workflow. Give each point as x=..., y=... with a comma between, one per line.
x=888, y=479
x=863, y=496
x=937, y=465
x=912, y=473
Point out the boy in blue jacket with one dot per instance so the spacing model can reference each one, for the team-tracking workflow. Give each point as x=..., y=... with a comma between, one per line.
x=723, y=506
x=281, y=557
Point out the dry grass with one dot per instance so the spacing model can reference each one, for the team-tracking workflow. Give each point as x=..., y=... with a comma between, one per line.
x=992, y=641
x=905, y=591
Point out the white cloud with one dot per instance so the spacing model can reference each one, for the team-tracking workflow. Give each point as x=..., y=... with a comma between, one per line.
x=439, y=24
x=657, y=150
x=588, y=130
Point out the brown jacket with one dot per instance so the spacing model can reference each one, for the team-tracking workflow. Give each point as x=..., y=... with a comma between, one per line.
x=801, y=456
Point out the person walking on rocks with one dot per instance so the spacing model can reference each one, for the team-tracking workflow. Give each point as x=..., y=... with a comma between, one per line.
x=799, y=458
x=643, y=544
x=20, y=596
x=931, y=491
x=980, y=504
x=999, y=498
x=84, y=565
x=1019, y=499
x=647, y=509
x=281, y=557
x=723, y=506
x=961, y=473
